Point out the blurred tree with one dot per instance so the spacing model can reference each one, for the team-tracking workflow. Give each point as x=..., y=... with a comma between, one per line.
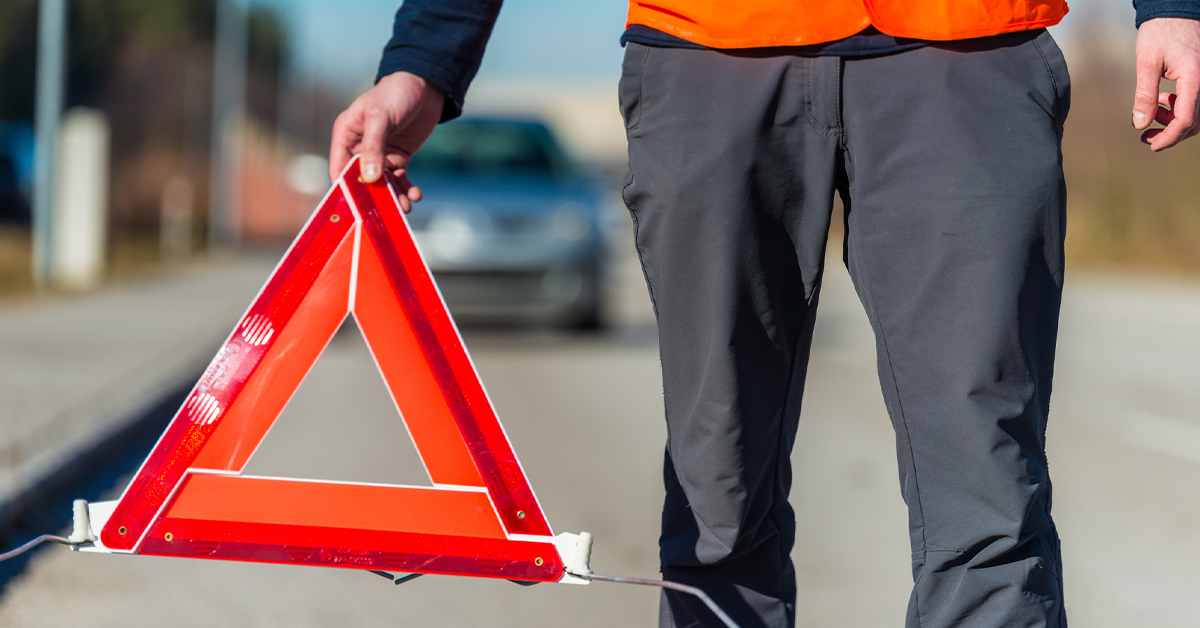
x=99, y=32
x=18, y=41
x=148, y=65
x=267, y=53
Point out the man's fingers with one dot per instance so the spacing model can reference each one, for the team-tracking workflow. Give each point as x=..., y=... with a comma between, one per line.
x=406, y=192
x=385, y=126
x=396, y=161
x=1149, y=136
x=1164, y=116
x=375, y=129
x=337, y=161
x=1145, y=96
x=340, y=148
x=1183, y=114
x=1166, y=102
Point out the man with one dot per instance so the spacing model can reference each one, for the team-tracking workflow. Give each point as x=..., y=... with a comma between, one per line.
x=939, y=124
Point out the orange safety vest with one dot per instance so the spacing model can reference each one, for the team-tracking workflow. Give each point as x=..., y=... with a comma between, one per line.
x=757, y=23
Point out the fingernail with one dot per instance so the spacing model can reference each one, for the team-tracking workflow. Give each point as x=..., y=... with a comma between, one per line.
x=370, y=172
x=1140, y=120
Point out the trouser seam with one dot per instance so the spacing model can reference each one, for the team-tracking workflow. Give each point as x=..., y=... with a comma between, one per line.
x=782, y=457
x=636, y=245
x=1049, y=72
x=870, y=303
x=1053, y=82
x=837, y=97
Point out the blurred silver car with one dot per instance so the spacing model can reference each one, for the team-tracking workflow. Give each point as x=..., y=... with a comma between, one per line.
x=508, y=226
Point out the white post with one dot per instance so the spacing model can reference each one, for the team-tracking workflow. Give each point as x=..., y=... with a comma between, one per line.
x=81, y=200
x=229, y=96
x=52, y=27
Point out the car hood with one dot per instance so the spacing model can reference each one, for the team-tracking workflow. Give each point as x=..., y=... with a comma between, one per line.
x=500, y=194
x=509, y=223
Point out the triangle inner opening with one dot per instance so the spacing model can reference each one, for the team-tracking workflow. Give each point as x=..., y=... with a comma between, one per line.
x=341, y=424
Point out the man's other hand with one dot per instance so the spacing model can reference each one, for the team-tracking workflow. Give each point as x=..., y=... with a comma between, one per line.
x=386, y=126
x=1167, y=47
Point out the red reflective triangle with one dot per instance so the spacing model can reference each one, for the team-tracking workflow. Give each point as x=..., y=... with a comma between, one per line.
x=355, y=257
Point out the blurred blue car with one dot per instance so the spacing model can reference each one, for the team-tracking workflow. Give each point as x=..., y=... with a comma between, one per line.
x=509, y=227
x=16, y=171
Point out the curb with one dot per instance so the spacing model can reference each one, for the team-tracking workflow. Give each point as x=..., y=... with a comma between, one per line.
x=82, y=473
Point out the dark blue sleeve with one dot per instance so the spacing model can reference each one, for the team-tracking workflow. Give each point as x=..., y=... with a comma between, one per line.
x=441, y=41
x=1149, y=9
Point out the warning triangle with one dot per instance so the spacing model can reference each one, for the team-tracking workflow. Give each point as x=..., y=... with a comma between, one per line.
x=355, y=257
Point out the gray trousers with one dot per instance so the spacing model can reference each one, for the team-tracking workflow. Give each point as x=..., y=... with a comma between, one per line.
x=947, y=159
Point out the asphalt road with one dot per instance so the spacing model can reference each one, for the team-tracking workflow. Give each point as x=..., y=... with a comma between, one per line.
x=585, y=416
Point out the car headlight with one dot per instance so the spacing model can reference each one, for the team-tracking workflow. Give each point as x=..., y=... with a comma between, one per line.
x=568, y=222
x=454, y=236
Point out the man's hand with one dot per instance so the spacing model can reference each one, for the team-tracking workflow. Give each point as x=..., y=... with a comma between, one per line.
x=1167, y=47
x=386, y=126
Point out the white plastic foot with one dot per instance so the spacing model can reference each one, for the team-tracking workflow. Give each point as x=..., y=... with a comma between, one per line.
x=81, y=530
x=581, y=563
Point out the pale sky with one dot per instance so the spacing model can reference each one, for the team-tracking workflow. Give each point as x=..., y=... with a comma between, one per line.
x=340, y=40
x=546, y=39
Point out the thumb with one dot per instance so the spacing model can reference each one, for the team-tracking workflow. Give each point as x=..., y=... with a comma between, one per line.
x=375, y=129
x=1145, y=95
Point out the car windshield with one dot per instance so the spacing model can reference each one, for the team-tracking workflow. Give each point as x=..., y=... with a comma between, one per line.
x=489, y=148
